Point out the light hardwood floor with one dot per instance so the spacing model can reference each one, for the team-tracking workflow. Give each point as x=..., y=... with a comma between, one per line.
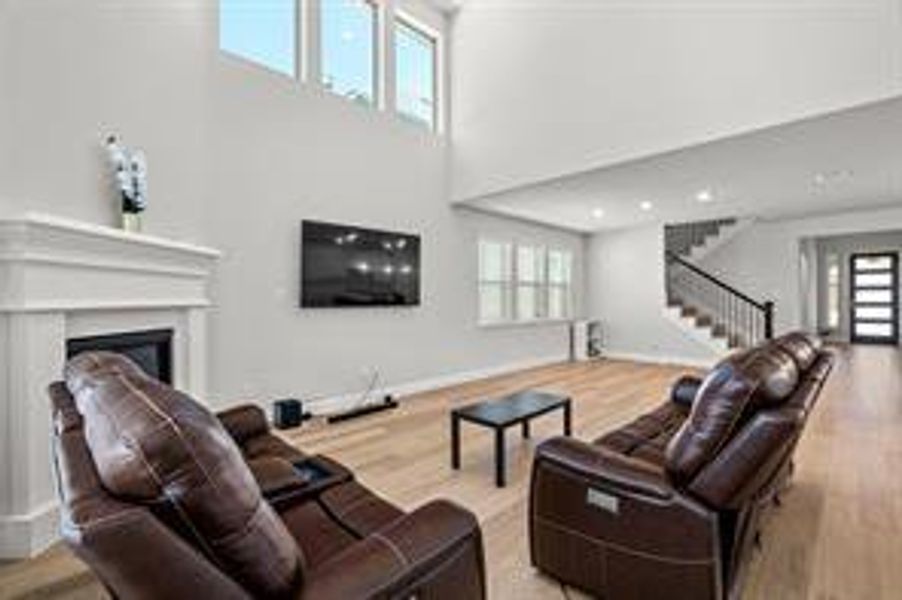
x=837, y=535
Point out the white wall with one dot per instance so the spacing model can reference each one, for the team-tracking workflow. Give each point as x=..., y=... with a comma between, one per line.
x=550, y=87
x=237, y=157
x=625, y=275
x=763, y=260
x=81, y=70
x=809, y=268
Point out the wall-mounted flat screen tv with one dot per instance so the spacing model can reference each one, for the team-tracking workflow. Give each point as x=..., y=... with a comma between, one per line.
x=346, y=265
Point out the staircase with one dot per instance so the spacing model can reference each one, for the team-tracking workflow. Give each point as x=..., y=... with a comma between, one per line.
x=694, y=241
x=708, y=308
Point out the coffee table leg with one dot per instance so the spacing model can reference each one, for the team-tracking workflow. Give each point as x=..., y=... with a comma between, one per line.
x=455, y=441
x=526, y=429
x=567, y=419
x=499, y=456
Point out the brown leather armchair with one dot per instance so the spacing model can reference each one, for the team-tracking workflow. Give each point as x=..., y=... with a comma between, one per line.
x=669, y=505
x=164, y=500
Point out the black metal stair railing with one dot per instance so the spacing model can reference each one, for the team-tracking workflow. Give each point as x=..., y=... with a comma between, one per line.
x=731, y=314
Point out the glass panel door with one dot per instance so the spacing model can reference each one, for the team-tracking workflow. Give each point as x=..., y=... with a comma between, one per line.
x=875, y=298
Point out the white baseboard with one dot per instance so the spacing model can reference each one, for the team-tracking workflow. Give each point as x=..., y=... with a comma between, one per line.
x=24, y=536
x=335, y=404
x=679, y=361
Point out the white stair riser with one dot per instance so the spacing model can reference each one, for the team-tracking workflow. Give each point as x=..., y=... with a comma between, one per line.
x=701, y=333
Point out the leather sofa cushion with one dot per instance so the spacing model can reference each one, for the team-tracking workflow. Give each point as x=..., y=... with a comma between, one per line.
x=358, y=509
x=802, y=347
x=244, y=422
x=684, y=390
x=319, y=536
x=646, y=438
x=733, y=391
x=776, y=374
x=339, y=517
x=269, y=446
x=719, y=405
x=821, y=368
x=153, y=444
x=805, y=395
x=750, y=461
x=274, y=475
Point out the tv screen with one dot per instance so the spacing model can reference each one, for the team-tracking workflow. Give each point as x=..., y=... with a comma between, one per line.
x=344, y=265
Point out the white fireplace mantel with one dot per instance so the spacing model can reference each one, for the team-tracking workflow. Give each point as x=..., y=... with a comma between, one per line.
x=46, y=262
x=60, y=279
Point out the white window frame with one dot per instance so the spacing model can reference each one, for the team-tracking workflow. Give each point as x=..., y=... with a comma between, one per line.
x=539, y=285
x=309, y=57
x=301, y=34
x=510, y=288
x=379, y=59
x=566, y=286
x=438, y=73
x=506, y=286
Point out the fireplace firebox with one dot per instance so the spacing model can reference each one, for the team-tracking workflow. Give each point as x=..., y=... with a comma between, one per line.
x=151, y=349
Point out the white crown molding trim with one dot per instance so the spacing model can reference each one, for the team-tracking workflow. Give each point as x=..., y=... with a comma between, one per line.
x=50, y=263
x=107, y=305
x=36, y=221
x=107, y=265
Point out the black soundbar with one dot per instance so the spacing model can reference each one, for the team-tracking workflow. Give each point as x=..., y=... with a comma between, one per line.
x=387, y=404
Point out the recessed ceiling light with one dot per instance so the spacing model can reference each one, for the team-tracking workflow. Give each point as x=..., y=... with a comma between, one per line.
x=646, y=206
x=704, y=196
x=598, y=213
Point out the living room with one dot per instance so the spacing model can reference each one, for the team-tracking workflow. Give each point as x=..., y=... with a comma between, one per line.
x=164, y=166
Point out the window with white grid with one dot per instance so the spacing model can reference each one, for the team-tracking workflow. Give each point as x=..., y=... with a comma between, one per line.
x=521, y=283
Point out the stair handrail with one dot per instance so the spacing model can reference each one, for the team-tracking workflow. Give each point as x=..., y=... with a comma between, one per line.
x=766, y=307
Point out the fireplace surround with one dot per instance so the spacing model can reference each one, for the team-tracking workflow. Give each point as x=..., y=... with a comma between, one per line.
x=62, y=283
x=150, y=349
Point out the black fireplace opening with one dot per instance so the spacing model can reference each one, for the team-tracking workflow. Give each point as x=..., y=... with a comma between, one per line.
x=151, y=349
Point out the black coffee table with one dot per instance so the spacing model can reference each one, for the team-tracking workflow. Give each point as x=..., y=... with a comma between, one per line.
x=500, y=414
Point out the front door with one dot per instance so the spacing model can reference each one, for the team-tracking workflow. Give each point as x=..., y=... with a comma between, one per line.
x=875, y=298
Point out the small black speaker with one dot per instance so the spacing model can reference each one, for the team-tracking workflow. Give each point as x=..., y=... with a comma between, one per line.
x=287, y=413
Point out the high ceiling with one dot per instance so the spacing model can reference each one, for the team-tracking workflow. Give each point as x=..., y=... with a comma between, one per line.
x=546, y=89
x=841, y=161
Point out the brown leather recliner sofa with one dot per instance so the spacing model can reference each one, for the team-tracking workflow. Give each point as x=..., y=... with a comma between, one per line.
x=163, y=500
x=669, y=505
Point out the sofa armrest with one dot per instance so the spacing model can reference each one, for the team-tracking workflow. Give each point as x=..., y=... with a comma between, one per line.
x=136, y=556
x=435, y=552
x=244, y=422
x=602, y=466
x=684, y=391
x=584, y=496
